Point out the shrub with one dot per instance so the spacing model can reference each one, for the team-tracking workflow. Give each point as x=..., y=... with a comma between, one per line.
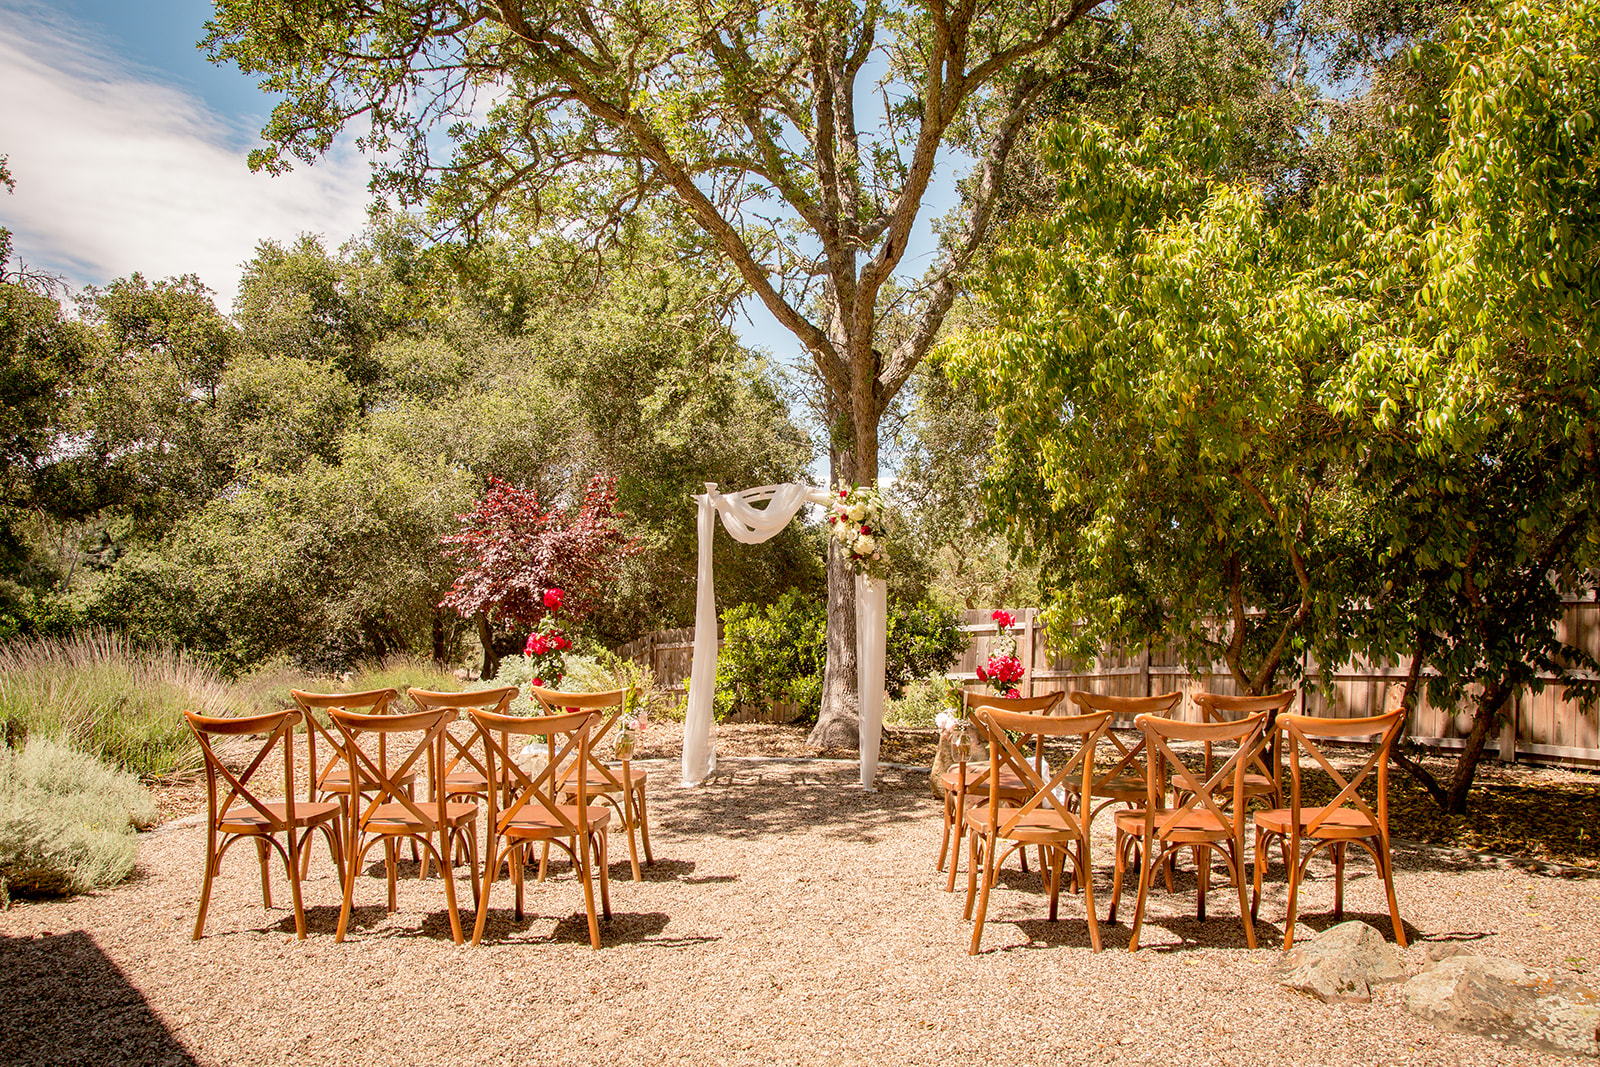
x=401, y=672
x=120, y=703
x=777, y=653
x=918, y=704
x=68, y=823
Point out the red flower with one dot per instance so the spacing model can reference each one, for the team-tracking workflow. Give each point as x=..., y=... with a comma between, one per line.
x=537, y=646
x=553, y=598
x=866, y=529
x=539, y=682
x=1012, y=694
x=1004, y=618
x=843, y=493
x=982, y=675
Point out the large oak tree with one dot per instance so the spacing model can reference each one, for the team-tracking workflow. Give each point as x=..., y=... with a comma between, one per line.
x=796, y=140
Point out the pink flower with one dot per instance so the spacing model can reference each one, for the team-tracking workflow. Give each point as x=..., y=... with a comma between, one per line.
x=537, y=646
x=1004, y=618
x=553, y=598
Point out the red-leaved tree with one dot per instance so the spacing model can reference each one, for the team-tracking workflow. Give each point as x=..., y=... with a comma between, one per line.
x=514, y=550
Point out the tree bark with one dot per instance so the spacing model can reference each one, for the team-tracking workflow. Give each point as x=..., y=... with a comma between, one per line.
x=491, y=661
x=838, y=723
x=1489, y=706
x=438, y=639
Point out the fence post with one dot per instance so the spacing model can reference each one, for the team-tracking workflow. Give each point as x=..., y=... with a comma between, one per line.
x=1028, y=630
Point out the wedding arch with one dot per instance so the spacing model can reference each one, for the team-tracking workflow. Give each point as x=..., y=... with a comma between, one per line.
x=747, y=522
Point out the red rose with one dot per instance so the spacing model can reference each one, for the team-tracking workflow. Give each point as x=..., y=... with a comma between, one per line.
x=1004, y=618
x=553, y=598
x=982, y=676
x=1012, y=694
x=539, y=682
x=843, y=493
x=866, y=529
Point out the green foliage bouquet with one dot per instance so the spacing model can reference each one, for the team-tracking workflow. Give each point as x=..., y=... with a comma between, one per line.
x=859, y=519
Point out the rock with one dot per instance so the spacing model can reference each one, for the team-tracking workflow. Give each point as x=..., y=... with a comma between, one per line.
x=1509, y=1002
x=1445, y=949
x=1341, y=965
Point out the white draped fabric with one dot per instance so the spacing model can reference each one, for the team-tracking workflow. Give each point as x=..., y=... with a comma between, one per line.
x=751, y=524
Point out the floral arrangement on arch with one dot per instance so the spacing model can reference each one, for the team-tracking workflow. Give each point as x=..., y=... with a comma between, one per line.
x=544, y=648
x=859, y=519
x=1003, y=671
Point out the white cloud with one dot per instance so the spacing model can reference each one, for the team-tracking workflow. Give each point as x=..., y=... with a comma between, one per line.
x=116, y=172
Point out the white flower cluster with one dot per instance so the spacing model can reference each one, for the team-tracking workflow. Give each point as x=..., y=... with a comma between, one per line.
x=858, y=519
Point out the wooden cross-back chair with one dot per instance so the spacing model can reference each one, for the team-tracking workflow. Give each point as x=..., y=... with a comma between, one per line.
x=968, y=782
x=241, y=815
x=1261, y=776
x=621, y=787
x=1049, y=815
x=1199, y=818
x=1124, y=783
x=531, y=809
x=330, y=778
x=1345, y=820
x=385, y=810
x=465, y=773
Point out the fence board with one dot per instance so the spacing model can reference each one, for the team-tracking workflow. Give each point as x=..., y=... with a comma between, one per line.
x=1551, y=725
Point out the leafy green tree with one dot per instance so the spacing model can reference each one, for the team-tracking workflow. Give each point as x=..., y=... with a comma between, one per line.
x=1358, y=417
x=744, y=123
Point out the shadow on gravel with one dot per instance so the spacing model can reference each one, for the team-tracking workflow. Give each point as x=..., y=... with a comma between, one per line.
x=753, y=798
x=64, y=1002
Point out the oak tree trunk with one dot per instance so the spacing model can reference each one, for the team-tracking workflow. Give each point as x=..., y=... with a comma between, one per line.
x=1490, y=704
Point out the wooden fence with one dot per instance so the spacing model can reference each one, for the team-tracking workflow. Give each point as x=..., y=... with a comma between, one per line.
x=1548, y=726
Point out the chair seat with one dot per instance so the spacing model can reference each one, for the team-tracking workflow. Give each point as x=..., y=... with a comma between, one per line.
x=339, y=781
x=1344, y=823
x=1128, y=788
x=465, y=781
x=597, y=781
x=537, y=822
x=1198, y=826
x=251, y=821
x=1041, y=825
x=1010, y=780
x=399, y=819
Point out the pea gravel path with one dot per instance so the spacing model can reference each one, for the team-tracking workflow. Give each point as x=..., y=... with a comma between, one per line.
x=789, y=919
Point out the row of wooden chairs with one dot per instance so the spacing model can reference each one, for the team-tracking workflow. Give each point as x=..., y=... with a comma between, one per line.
x=1174, y=799
x=364, y=794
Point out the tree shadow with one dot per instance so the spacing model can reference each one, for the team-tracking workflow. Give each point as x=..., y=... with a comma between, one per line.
x=64, y=1002
x=748, y=799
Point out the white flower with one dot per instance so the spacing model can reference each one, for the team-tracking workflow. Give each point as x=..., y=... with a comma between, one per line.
x=866, y=545
x=857, y=512
x=945, y=721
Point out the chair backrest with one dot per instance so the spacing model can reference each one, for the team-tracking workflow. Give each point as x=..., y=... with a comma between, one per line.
x=367, y=702
x=276, y=727
x=457, y=751
x=1303, y=732
x=1039, y=705
x=1004, y=729
x=1198, y=789
x=610, y=703
x=375, y=777
x=568, y=737
x=1226, y=707
x=1161, y=704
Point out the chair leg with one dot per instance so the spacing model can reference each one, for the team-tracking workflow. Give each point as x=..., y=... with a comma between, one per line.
x=1386, y=867
x=205, y=884
x=1296, y=872
x=944, y=839
x=295, y=847
x=447, y=869
x=644, y=828
x=581, y=854
x=1263, y=858
x=628, y=827
x=957, y=828
x=491, y=872
x=391, y=856
x=1238, y=878
x=356, y=856
x=266, y=878
x=1202, y=872
x=972, y=872
x=988, y=879
x=1124, y=847
x=1145, y=870
x=605, y=874
x=1085, y=877
x=1052, y=876
x=1338, y=882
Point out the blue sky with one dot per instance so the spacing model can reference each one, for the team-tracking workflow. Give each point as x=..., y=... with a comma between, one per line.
x=128, y=149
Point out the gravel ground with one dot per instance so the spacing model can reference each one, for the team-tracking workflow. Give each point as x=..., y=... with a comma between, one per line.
x=789, y=918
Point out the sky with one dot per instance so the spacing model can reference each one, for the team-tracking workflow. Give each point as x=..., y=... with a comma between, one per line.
x=129, y=148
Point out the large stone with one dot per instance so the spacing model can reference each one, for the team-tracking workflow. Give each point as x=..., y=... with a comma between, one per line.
x=1509, y=1002
x=1341, y=965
